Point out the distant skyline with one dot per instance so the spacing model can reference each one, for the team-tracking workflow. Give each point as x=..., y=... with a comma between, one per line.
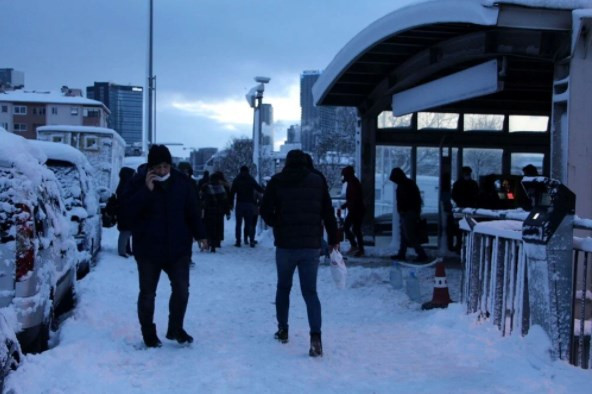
x=206, y=53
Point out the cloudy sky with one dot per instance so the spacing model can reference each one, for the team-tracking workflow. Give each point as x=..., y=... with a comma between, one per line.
x=206, y=53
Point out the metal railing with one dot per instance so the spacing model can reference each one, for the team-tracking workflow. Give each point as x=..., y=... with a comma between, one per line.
x=495, y=277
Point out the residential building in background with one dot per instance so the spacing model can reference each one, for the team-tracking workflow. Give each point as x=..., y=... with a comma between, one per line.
x=199, y=157
x=22, y=111
x=126, y=105
x=11, y=79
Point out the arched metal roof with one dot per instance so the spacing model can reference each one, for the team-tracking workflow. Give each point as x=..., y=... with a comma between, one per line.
x=425, y=41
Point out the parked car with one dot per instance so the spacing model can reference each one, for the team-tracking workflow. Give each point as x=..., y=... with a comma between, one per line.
x=37, y=252
x=80, y=196
x=10, y=350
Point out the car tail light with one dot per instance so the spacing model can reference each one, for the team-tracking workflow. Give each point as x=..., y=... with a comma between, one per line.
x=25, y=241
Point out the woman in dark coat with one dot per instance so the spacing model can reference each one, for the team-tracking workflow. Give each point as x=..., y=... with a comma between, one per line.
x=215, y=204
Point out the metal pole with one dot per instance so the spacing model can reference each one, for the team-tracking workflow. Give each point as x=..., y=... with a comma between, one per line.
x=150, y=79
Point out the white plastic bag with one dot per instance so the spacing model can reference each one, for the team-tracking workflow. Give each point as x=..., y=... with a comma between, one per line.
x=338, y=269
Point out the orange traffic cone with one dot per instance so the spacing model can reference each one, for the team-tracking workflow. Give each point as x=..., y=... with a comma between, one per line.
x=441, y=297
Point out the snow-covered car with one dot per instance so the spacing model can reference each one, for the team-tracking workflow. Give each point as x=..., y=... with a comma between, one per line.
x=10, y=350
x=80, y=196
x=38, y=254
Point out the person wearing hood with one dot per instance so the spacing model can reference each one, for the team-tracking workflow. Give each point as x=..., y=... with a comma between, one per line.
x=159, y=203
x=354, y=202
x=409, y=208
x=295, y=204
x=245, y=188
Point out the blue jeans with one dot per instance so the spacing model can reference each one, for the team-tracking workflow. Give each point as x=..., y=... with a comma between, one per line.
x=307, y=261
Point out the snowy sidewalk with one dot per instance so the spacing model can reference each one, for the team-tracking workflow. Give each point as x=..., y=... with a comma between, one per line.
x=375, y=339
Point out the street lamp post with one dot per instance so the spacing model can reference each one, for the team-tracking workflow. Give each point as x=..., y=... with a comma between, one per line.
x=255, y=99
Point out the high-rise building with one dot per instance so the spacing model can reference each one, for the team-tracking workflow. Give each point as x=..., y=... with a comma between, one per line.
x=11, y=79
x=126, y=105
x=199, y=157
x=313, y=120
x=293, y=134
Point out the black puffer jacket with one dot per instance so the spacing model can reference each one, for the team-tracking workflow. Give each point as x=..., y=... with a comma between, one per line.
x=164, y=221
x=244, y=187
x=408, y=195
x=295, y=203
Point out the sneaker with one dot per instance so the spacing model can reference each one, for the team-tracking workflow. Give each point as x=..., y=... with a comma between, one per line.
x=252, y=244
x=150, y=337
x=180, y=336
x=281, y=335
x=238, y=244
x=398, y=256
x=316, y=346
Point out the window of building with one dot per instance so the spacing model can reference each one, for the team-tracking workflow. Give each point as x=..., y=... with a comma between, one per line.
x=91, y=113
x=387, y=120
x=19, y=110
x=57, y=138
x=5, y=108
x=479, y=122
x=91, y=142
x=20, y=127
x=54, y=110
x=520, y=160
x=435, y=120
x=74, y=111
x=528, y=123
x=4, y=125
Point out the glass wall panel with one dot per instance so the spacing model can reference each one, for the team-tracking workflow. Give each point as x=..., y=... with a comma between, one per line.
x=519, y=160
x=528, y=123
x=483, y=161
x=483, y=122
x=428, y=178
x=386, y=119
x=433, y=120
x=387, y=158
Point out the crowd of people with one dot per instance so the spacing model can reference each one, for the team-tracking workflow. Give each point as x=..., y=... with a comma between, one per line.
x=162, y=210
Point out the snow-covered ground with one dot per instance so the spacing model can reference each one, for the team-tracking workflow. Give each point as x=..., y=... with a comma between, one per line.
x=376, y=340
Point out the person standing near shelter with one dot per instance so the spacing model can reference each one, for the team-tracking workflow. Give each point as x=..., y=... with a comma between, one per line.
x=354, y=202
x=409, y=208
x=295, y=204
x=245, y=188
x=160, y=205
x=465, y=191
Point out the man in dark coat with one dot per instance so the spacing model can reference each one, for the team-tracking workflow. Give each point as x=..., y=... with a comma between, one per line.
x=245, y=187
x=295, y=204
x=465, y=191
x=160, y=205
x=354, y=202
x=409, y=208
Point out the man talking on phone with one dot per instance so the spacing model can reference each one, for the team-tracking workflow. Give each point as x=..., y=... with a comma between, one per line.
x=159, y=202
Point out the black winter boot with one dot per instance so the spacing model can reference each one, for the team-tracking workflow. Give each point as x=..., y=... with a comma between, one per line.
x=179, y=335
x=281, y=335
x=316, y=346
x=150, y=337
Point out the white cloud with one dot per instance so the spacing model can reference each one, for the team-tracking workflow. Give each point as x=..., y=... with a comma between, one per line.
x=235, y=111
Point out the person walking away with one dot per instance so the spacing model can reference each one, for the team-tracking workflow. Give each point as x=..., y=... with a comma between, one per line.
x=465, y=194
x=159, y=204
x=244, y=188
x=354, y=202
x=124, y=240
x=295, y=204
x=409, y=208
x=215, y=204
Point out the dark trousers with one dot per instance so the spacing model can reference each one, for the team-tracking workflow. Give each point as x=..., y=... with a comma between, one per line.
x=245, y=211
x=355, y=238
x=149, y=274
x=409, y=222
x=307, y=261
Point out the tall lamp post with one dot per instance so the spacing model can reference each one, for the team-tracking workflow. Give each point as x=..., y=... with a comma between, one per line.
x=255, y=99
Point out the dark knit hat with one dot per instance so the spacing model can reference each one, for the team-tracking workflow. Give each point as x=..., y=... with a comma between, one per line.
x=159, y=154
